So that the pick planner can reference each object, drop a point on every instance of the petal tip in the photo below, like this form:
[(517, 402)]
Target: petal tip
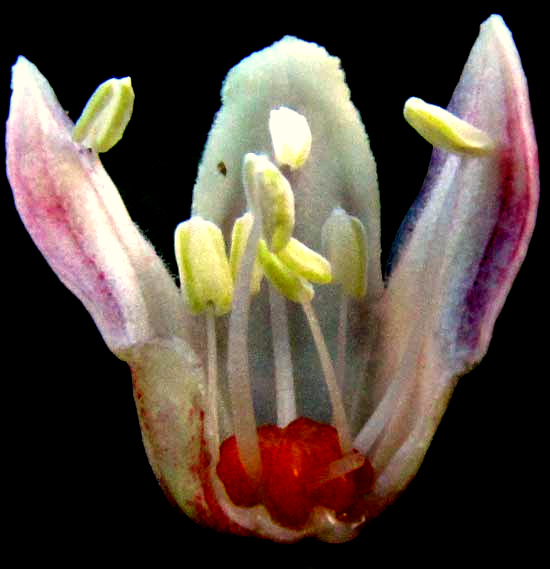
[(23, 72)]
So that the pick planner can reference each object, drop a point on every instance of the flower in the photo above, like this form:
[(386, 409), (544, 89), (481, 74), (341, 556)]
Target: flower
[(377, 358)]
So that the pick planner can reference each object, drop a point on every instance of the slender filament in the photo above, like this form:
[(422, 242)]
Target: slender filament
[(338, 413), (342, 328), (284, 375), (212, 427), (244, 420)]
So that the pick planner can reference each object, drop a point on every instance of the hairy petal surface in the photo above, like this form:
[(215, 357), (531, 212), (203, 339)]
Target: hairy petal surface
[(169, 393), (76, 217), (340, 170), (459, 251)]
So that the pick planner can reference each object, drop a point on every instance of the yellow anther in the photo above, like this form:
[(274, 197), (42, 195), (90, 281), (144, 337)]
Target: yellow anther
[(203, 266), (239, 239), (106, 115), (269, 192), (290, 136), (345, 244), (288, 283), (305, 262), (444, 130)]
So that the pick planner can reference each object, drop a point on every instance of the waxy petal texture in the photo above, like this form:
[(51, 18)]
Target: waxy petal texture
[(76, 217), (459, 251)]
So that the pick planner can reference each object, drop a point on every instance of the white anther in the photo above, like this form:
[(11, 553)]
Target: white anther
[(290, 136)]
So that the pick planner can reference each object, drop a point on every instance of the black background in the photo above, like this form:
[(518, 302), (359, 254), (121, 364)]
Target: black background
[(77, 481)]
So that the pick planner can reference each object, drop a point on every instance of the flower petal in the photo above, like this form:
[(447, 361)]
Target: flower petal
[(459, 252), (340, 170), (169, 394), (76, 217)]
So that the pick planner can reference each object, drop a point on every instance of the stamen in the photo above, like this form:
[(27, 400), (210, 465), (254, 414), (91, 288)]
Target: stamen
[(444, 130), (284, 375), (306, 262), (239, 239), (106, 115), (212, 426), (338, 412), (288, 283), (270, 197), (244, 420), (290, 136), (203, 266), (206, 287), (342, 341), (367, 436), (340, 467), (345, 242), (399, 373)]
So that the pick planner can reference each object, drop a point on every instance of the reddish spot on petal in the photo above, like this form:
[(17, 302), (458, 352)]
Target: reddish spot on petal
[(293, 462)]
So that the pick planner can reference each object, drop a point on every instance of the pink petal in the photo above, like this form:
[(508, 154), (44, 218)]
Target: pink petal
[(459, 252), (76, 217)]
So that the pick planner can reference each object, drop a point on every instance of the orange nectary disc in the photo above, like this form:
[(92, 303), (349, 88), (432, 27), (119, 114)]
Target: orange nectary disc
[(295, 462)]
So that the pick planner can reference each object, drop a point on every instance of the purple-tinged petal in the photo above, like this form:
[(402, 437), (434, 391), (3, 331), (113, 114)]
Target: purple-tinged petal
[(76, 217), (459, 252)]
